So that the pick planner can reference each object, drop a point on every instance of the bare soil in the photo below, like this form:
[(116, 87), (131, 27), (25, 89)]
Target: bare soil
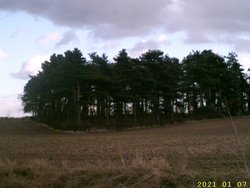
[(181, 155)]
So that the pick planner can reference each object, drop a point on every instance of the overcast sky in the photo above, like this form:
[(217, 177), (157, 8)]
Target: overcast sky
[(33, 30)]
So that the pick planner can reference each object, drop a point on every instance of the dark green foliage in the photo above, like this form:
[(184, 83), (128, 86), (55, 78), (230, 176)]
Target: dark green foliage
[(73, 93)]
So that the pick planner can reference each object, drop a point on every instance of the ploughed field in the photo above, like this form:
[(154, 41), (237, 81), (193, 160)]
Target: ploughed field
[(182, 155)]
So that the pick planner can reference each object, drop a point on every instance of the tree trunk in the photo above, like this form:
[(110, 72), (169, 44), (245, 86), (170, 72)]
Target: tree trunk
[(78, 105)]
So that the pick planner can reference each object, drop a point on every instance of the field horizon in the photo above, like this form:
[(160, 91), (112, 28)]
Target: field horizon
[(180, 155)]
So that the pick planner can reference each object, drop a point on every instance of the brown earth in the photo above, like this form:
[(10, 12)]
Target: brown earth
[(31, 155)]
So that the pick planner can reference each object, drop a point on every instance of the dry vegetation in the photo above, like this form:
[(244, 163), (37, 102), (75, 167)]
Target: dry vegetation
[(178, 156)]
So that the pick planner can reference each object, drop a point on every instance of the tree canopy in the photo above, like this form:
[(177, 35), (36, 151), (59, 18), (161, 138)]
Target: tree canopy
[(71, 92)]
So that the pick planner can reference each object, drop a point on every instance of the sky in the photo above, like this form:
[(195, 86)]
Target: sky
[(31, 31)]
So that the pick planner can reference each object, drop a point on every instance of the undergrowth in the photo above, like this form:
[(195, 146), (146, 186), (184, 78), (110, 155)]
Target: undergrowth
[(42, 173)]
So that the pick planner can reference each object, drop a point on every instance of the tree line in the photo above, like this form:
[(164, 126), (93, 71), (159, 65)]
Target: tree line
[(71, 92)]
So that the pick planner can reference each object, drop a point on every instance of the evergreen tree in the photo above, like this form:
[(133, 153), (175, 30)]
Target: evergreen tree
[(73, 93)]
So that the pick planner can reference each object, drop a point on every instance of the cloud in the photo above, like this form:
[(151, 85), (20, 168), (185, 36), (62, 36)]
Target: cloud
[(58, 38), (202, 21), (30, 67), (145, 45), (67, 37), (244, 60), (3, 55), (238, 43), (242, 45), (142, 47), (106, 19), (11, 106), (50, 38)]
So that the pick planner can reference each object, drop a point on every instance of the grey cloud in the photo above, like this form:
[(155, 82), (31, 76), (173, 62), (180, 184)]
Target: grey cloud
[(196, 37), (212, 18), (30, 67), (202, 21), (23, 73), (111, 18), (239, 43), (67, 37), (148, 44), (143, 46), (242, 45), (20, 75)]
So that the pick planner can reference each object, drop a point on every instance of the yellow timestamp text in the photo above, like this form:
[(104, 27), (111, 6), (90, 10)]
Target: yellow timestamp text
[(223, 184)]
